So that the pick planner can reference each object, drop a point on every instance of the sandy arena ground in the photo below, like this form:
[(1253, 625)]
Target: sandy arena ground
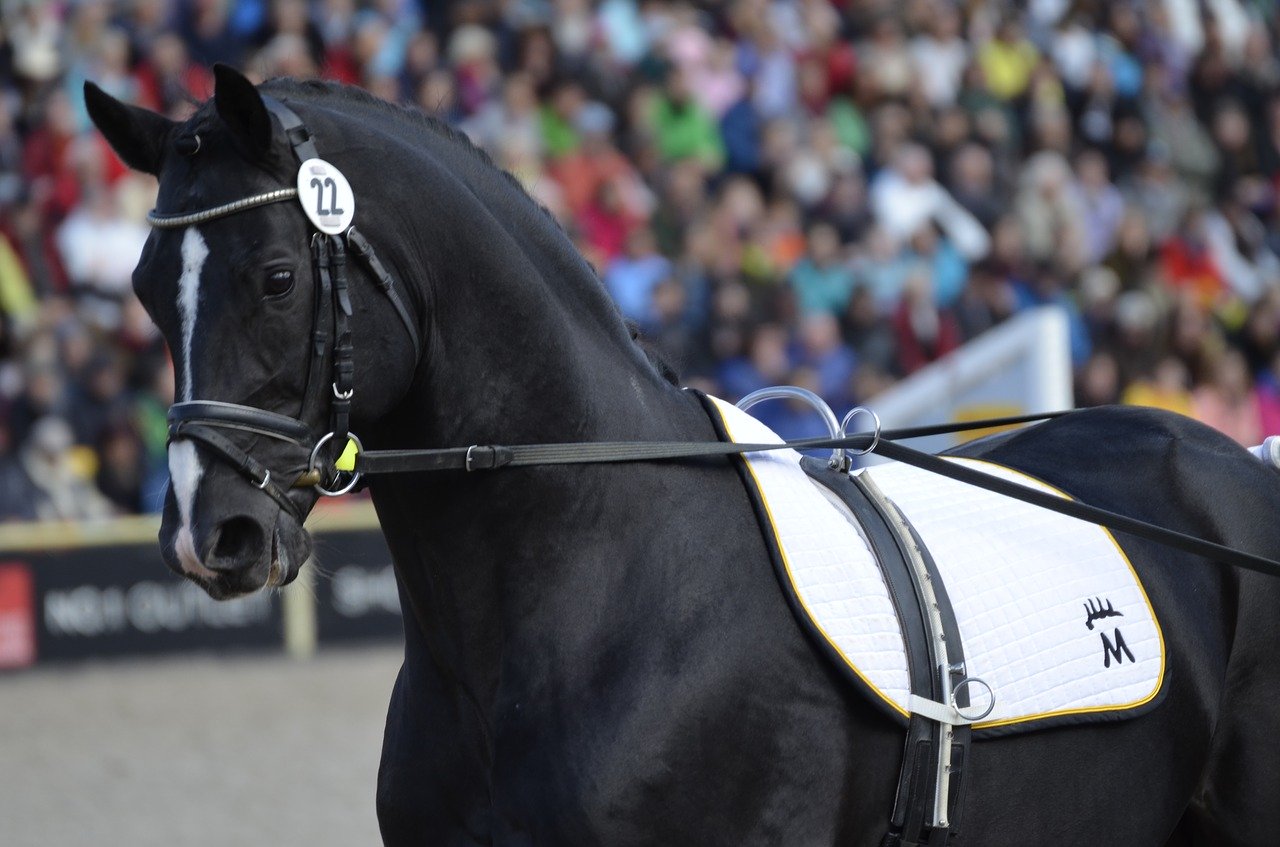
[(200, 751)]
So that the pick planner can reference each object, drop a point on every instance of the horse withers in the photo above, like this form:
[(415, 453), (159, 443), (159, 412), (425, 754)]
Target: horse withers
[(602, 654)]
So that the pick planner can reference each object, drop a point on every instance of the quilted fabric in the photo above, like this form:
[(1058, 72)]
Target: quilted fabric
[(1051, 614)]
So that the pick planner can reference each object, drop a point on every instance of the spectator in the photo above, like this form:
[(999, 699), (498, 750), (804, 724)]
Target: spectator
[(17, 492), (745, 174), (632, 277), (1050, 214), (940, 56), (821, 281), (767, 363), (1008, 60), (924, 332), (831, 361), (683, 128), (99, 249), (1227, 401), (61, 490), (1101, 204), (1187, 263), (973, 184), (1166, 388), (906, 197)]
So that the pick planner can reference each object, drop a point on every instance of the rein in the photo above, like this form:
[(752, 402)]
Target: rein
[(881, 443)]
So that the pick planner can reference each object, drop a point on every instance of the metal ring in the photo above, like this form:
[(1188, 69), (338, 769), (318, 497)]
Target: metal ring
[(969, 680), (468, 458), (355, 475), (266, 480), (342, 395), (875, 435)]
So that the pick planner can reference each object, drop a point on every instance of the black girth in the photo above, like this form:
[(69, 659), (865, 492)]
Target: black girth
[(917, 780), (330, 377)]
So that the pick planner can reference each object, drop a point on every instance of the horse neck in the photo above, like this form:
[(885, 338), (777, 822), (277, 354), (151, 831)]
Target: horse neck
[(523, 342), (524, 347)]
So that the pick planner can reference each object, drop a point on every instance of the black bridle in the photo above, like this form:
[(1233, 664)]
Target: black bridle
[(331, 373), (204, 421)]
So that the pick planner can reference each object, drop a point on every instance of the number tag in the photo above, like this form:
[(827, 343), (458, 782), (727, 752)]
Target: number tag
[(326, 196)]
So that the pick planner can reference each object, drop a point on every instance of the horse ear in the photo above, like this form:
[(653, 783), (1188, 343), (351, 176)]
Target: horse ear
[(137, 135), (241, 108)]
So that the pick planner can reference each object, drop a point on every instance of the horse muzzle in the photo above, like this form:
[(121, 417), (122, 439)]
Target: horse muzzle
[(230, 542)]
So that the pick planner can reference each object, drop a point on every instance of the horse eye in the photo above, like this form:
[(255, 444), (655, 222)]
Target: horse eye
[(278, 282)]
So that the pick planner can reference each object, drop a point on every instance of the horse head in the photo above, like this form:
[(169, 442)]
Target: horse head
[(230, 275)]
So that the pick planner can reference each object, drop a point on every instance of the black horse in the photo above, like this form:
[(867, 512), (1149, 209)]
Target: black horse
[(601, 654)]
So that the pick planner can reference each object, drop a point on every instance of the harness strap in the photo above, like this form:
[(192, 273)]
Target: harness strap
[(318, 374), (361, 247), (343, 366), (244, 418), (246, 465), (915, 775), (926, 811), (488, 457), (300, 138)]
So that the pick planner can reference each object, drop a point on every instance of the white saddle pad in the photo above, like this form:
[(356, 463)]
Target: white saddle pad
[(1051, 613)]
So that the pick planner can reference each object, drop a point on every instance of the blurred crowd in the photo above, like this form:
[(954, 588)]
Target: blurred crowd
[(823, 193)]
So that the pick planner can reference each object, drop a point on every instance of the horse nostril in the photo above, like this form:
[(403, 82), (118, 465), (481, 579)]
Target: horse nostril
[(239, 543)]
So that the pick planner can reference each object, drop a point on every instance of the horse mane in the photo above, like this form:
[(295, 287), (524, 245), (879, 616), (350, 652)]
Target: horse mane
[(360, 97)]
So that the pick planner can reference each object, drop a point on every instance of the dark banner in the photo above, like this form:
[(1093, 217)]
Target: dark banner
[(95, 597), (90, 602), (355, 589)]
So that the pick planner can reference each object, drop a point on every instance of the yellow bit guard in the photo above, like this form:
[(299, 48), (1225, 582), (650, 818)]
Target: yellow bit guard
[(347, 461)]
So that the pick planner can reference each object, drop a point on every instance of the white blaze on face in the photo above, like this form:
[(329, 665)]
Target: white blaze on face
[(184, 465), (194, 252)]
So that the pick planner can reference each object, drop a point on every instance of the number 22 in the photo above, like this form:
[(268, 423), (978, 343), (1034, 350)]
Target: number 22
[(333, 196)]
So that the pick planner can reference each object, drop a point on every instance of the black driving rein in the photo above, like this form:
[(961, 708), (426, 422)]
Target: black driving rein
[(492, 457)]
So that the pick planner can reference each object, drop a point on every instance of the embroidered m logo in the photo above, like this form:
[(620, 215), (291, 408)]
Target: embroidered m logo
[(1118, 649)]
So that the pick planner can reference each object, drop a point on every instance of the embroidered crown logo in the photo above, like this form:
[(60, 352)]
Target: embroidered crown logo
[(1094, 610)]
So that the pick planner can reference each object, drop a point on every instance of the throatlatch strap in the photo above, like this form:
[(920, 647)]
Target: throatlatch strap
[(361, 247)]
